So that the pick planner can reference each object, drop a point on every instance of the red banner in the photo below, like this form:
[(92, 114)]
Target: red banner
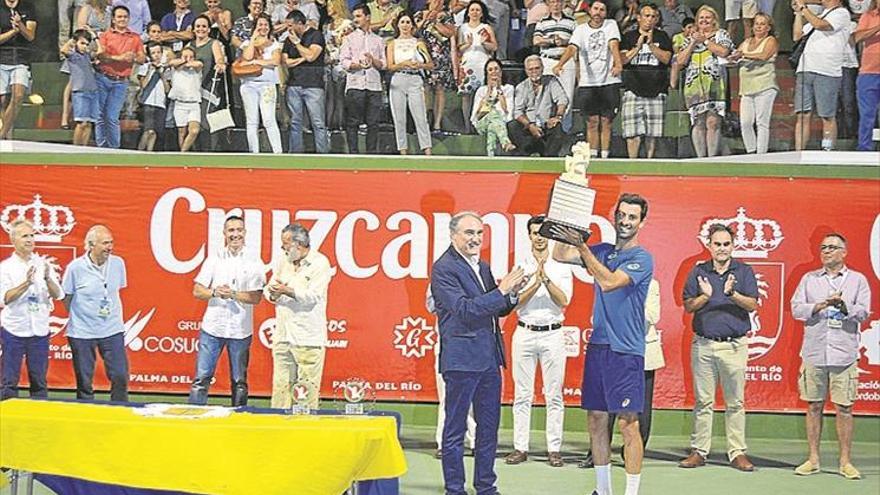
[(382, 230)]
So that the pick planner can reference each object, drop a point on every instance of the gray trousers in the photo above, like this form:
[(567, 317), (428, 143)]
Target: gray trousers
[(408, 90), (500, 12)]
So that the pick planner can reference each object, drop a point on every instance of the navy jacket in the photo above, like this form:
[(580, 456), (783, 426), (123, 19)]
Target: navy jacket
[(470, 336)]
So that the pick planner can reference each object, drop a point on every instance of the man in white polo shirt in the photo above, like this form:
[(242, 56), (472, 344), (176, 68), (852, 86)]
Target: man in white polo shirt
[(538, 339), (92, 283), (232, 283), (28, 284)]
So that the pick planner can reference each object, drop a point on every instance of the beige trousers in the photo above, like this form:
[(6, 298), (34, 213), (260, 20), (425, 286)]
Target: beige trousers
[(293, 364), (725, 363)]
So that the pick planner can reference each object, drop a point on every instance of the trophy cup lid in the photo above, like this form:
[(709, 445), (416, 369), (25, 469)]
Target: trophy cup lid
[(576, 164)]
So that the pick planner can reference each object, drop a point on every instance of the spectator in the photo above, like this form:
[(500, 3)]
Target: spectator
[(868, 82), (735, 10), (139, 14), (536, 10), (121, 49), (407, 58), (303, 55), (243, 27), (382, 16), (94, 17), (598, 43), (221, 21), (280, 13), (210, 53), (501, 12), (362, 56), (259, 94), (627, 17), (757, 83), (436, 26), (68, 10), (177, 25), (820, 69), (494, 109), (678, 42), (847, 108), (704, 86), (335, 30), (645, 52), (154, 34), (672, 17), (539, 104), (154, 83), (552, 35), (476, 44), (186, 92), (80, 58), (18, 29)]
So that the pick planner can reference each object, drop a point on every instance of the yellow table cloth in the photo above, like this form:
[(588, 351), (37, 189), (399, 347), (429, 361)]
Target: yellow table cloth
[(243, 453)]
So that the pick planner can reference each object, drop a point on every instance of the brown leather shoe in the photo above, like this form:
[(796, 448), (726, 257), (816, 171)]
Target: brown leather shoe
[(742, 463), (692, 461), (555, 459), (516, 457)]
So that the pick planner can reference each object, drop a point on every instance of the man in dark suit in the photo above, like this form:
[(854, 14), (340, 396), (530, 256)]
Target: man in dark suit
[(468, 303)]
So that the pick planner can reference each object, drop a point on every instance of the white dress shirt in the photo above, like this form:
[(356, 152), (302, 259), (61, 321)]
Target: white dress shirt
[(301, 320), (540, 309), (27, 316), (227, 318)]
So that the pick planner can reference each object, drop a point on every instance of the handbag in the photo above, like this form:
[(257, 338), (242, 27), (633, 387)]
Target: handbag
[(797, 50), (222, 118), (241, 69)]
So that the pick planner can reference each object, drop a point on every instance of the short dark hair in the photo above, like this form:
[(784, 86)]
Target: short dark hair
[(82, 34), (650, 6), (231, 218), (719, 227), (535, 220), (123, 7), (296, 16), (363, 7), (151, 24), (687, 22), (151, 44), (268, 19), (202, 16), (633, 199), (835, 234)]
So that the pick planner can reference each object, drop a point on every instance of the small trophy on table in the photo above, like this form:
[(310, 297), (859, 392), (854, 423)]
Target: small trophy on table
[(301, 394), (355, 392), (571, 201)]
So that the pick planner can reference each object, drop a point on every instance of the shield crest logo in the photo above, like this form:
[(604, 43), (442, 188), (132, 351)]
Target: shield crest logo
[(766, 321)]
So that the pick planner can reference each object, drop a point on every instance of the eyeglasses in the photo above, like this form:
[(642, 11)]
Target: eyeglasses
[(829, 247)]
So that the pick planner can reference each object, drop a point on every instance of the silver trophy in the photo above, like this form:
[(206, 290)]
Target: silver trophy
[(301, 394), (571, 201), (355, 392)]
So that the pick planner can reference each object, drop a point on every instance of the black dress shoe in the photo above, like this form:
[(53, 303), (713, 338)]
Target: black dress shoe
[(586, 462)]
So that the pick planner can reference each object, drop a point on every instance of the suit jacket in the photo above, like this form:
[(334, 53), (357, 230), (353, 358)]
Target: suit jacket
[(468, 315)]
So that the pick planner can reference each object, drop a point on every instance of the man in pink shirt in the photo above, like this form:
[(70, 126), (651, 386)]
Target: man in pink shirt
[(362, 56), (868, 82)]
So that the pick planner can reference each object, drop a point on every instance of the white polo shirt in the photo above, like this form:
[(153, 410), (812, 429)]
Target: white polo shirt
[(226, 318), (27, 316)]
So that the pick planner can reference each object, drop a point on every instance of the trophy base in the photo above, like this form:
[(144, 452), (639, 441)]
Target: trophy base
[(300, 410), (354, 409), (546, 231)]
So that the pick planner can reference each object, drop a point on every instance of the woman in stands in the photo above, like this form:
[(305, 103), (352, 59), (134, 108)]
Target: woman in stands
[(757, 83), (407, 59), (704, 82), (476, 44), (436, 26), (493, 109), (259, 93)]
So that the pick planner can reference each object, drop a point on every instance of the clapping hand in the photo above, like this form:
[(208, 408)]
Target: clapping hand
[(705, 286), (729, 284), (513, 281)]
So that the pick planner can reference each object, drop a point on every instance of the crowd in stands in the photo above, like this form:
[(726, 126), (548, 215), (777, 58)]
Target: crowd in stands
[(322, 66)]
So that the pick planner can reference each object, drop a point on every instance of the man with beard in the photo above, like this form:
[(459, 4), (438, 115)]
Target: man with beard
[(298, 289), (232, 283), (720, 292), (468, 304), (614, 380), (538, 338), (597, 44)]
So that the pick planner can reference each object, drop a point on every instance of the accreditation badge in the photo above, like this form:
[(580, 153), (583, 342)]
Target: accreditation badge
[(104, 308)]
